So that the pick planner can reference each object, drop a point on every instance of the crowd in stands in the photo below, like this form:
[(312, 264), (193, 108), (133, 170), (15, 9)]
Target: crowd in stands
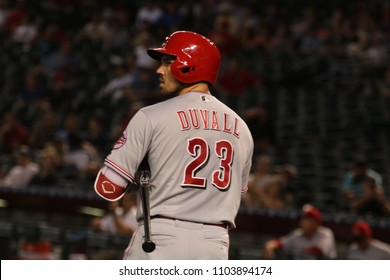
[(75, 72)]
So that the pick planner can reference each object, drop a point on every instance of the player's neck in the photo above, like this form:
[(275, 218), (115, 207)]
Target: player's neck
[(198, 87)]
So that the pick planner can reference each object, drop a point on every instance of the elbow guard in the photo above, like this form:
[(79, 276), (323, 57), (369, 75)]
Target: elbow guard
[(110, 185)]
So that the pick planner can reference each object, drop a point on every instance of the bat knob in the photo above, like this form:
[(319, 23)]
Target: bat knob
[(148, 246)]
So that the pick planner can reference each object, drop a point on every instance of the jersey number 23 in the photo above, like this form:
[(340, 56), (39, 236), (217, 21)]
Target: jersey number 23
[(200, 151)]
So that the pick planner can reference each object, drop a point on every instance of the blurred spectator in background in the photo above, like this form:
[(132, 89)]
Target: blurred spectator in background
[(16, 14), (280, 42), (304, 22), (114, 91), (23, 171), (70, 126), (121, 217), (145, 85), (309, 241), (58, 94), (258, 180), (33, 90), (263, 171), (248, 23), (373, 201), (270, 187), (80, 159), (255, 38), (145, 79), (273, 196), (95, 30), (44, 128), (48, 161), (96, 135), (26, 31), (148, 13), (364, 246), (118, 36), (171, 18), (311, 41), (287, 174), (141, 42), (262, 127), (353, 185), (4, 12), (234, 83), (227, 12), (13, 133), (49, 38), (377, 51), (223, 32), (62, 60)]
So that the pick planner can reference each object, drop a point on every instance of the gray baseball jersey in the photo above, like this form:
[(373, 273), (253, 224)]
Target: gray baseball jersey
[(377, 251), (297, 244), (199, 152)]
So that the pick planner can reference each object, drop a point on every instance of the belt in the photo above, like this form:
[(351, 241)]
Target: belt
[(225, 226)]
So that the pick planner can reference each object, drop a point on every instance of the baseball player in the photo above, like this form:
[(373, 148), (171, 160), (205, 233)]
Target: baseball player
[(199, 152), (365, 247), (309, 241)]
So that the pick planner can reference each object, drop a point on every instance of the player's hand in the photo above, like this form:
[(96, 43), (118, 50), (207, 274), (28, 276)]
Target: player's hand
[(95, 223), (113, 205), (269, 250)]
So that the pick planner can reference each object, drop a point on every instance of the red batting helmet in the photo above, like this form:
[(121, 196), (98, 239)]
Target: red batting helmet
[(361, 229), (312, 212), (197, 58)]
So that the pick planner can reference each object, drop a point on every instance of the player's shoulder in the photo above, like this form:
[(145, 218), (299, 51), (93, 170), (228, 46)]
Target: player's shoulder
[(380, 245), (296, 233), (325, 230)]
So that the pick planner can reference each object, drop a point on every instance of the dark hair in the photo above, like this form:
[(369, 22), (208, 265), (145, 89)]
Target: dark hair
[(74, 141), (360, 162)]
